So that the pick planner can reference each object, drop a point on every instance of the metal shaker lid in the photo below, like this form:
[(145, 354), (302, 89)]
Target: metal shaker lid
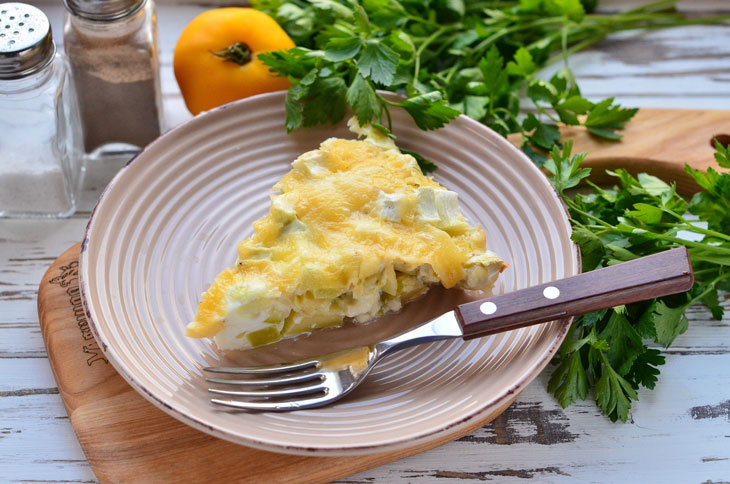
[(26, 43), (103, 10)]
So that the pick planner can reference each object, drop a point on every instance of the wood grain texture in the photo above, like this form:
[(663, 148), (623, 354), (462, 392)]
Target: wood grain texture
[(127, 439), (649, 277)]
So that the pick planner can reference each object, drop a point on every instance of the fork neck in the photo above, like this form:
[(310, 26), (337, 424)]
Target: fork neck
[(443, 327)]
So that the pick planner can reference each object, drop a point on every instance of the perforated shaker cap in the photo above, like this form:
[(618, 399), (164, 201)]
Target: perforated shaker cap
[(26, 43), (103, 10)]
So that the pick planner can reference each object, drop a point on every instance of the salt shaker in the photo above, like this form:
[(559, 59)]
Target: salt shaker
[(112, 49), (40, 145)]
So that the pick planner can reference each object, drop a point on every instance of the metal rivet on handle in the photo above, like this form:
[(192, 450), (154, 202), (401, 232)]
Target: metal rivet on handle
[(551, 292), (488, 307)]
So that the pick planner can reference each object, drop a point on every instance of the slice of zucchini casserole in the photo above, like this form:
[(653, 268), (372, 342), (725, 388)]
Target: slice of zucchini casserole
[(354, 231)]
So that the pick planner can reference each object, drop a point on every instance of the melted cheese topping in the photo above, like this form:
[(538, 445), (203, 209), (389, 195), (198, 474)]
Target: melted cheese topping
[(355, 230)]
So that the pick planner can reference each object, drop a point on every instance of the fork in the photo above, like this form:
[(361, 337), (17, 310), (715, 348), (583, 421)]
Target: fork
[(318, 381)]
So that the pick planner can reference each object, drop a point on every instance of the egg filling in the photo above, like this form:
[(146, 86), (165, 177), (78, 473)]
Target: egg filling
[(355, 230)]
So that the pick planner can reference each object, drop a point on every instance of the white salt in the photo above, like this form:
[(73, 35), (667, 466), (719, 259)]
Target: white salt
[(34, 189)]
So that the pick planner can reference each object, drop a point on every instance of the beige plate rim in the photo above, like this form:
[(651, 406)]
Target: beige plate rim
[(482, 414)]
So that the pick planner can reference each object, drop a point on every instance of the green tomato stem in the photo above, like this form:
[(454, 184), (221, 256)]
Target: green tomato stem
[(239, 53)]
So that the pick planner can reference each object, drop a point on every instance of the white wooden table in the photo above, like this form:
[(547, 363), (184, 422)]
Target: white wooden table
[(678, 433)]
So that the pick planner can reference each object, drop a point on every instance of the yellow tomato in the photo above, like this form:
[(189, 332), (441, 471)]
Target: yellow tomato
[(216, 57)]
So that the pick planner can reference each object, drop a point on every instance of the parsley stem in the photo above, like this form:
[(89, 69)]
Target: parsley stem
[(660, 4), (389, 102), (575, 48), (566, 53), (640, 22), (543, 111), (710, 287), (653, 235), (453, 71), (564, 45), (511, 116), (481, 5), (709, 270), (688, 243), (417, 19), (484, 44), (390, 121), (575, 208), (423, 46), (689, 227)]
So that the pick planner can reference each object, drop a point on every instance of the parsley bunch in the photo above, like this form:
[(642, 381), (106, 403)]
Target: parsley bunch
[(615, 351), (447, 57)]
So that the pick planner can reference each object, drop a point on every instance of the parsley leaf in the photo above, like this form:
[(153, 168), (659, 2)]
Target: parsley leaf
[(429, 111), (624, 343), (336, 7), (361, 96), (592, 250), (712, 301), (476, 106), (378, 62), (426, 165), (293, 62), (522, 65), (494, 76), (543, 135), (342, 48), (566, 170), (645, 325), (614, 394), (572, 9), (722, 154), (645, 369), (669, 323), (294, 110), (325, 101), (569, 382), (576, 104), (605, 118)]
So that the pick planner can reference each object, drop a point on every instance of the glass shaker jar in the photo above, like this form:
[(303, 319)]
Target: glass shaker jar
[(112, 48), (40, 145)]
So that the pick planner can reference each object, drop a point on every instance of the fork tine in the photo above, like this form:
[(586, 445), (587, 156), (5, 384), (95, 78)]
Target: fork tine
[(287, 392), (253, 370), (268, 381), (276, 406)]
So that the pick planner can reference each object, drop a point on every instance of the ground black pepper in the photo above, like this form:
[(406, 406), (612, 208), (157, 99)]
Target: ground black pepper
[(115, 67)]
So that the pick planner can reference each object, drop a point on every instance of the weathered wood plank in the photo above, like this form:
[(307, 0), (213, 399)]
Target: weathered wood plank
[(37, 443), (679, 433), (701, 6), (672, 437), (684, 420)]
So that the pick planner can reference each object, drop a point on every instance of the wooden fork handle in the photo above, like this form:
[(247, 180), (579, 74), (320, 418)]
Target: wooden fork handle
[(657, 275)]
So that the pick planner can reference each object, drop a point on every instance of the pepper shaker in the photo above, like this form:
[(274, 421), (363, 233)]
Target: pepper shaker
[(112, 49), (40, 145)]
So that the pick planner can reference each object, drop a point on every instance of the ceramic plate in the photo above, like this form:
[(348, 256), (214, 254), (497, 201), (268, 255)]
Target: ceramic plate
[(170, 221)]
